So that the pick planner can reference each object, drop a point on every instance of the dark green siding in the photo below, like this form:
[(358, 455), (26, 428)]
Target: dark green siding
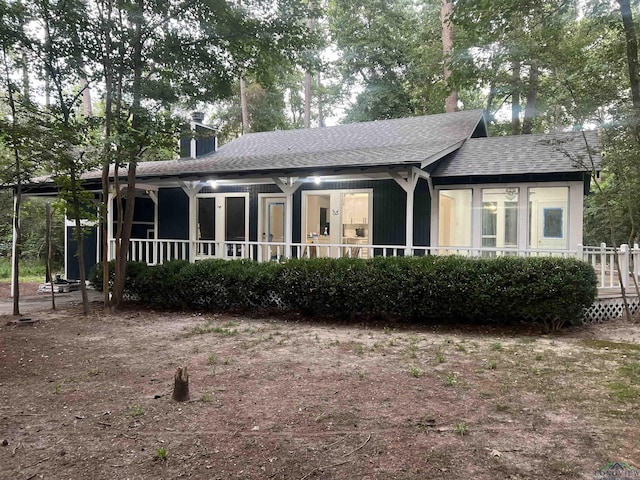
[(422, 214), (89, 250), (173, 214)]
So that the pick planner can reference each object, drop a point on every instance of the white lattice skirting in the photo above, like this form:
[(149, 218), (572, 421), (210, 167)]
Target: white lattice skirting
[(609, 309)]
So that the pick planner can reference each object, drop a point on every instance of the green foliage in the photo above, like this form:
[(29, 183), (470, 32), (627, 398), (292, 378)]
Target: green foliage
[(28, 269), (461, 428), (161, 454), (135, 272), (392, 49), (431, 288)]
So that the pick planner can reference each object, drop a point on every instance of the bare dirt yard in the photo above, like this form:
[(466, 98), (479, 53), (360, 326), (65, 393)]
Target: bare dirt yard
[(90, 398)]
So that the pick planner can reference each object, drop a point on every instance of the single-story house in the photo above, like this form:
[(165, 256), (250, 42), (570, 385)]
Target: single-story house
[(411, 186)]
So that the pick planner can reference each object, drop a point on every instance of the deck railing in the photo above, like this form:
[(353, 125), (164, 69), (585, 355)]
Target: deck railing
[(158, 251)]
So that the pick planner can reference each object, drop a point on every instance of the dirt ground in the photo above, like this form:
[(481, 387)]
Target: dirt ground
[(281, 398)]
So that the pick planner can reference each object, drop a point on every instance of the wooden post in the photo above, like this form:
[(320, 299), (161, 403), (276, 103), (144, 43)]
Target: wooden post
[(49, 273), (181, 385)]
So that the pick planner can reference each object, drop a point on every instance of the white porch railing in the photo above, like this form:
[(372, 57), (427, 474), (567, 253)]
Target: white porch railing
[(158, 251), (154, 252)]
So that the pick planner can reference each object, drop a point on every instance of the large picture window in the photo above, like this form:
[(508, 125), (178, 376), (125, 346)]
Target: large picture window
[(454, 220), (337, 217)]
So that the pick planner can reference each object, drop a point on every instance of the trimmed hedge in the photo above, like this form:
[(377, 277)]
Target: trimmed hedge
[(554, 291)]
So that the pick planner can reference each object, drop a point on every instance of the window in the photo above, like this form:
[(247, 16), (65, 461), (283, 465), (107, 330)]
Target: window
[(337, 217), (454, 220), (548, 210), (500, 217)]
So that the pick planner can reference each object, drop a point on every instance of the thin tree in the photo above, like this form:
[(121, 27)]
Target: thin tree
[(451, 102)]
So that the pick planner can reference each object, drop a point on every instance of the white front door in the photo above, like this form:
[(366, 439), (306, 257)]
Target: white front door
[(272, 213)]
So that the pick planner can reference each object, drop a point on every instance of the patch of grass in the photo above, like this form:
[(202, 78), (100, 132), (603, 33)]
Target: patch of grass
[(461, 347), (416, 372), (212, 360), (627, 389), (136, 411), (451, 379), (161, 454), (206, 397), (93, 372), (31, 271), (440, 356), (496, 346), (208, 328), (461, 429), (57, 388), (361, 374), (526, 340), (502, 407), (358, 348), (539, 357), (492, 365), (607, 345)]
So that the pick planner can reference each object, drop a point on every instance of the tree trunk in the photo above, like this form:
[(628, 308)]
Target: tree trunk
[(16, 243), (515, 98), (86, 98), (17, 189), (320, 101), (79, 237), (451, 102), (122, 245), (181, 385), (632, 61), (307, 100), (244, 108), (49, 275), (307, 80), (532, 97), (106, 160)]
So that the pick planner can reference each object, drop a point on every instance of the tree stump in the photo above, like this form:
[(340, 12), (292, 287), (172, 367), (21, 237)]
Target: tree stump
[(181, 385)]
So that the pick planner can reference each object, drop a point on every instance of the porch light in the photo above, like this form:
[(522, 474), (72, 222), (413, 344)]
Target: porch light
[(213, 183), (317, 180), (511, 193)]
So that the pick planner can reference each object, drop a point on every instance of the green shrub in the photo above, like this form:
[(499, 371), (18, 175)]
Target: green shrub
[(134, 274), (554, 291)]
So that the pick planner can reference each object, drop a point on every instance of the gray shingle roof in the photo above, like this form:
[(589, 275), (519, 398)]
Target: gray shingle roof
[(521, 154), (384, 142)]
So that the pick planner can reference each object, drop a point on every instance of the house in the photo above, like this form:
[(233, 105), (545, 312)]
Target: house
[(411, 186)]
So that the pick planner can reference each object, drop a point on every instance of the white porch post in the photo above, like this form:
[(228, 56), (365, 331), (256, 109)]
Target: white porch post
[(288, 187), (192, 189), (109, 206), (623, 257), (408, 184)]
